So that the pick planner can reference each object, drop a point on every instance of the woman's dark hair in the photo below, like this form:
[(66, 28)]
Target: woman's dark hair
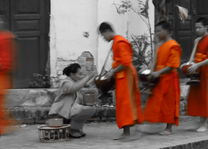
[(105, 27), (165, 25), (72, 68)]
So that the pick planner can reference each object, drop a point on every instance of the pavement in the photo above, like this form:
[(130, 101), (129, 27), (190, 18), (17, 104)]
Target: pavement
[(100, 135)]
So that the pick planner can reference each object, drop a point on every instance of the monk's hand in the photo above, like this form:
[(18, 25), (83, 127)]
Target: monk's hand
[(193, 68), (155, 74), (109, 74), (183, 65)]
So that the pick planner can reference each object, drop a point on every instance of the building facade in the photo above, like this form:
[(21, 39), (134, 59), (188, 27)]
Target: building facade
[(54, 33)]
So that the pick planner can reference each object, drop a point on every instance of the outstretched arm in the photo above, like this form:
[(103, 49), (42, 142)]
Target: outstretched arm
[(73, 87)]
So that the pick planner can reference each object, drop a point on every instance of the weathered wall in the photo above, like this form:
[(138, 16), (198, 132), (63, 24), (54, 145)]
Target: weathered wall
[(107, 12), (135, 23), (73, 30)]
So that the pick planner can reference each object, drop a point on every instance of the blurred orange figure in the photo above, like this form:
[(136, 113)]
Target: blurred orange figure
[(6, 64)]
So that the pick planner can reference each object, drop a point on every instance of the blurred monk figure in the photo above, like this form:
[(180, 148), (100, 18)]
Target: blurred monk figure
[(198, 94), (163, 104), (7, 48), (128, 106)]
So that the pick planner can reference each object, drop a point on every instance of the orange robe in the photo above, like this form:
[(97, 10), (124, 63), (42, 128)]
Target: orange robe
[(6, 61), (198, 94), (163, 104), (128, 106)]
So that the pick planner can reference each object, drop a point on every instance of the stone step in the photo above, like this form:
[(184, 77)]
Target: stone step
[(38, 115), (192, 144), (32, 105)]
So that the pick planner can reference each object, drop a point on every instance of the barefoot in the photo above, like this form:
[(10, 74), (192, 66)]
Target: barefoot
[(166, 132), (119, 137), (202, 129), (127, 138)]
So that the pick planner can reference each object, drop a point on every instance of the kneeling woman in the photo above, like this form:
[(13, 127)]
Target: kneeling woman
[(69, 102)]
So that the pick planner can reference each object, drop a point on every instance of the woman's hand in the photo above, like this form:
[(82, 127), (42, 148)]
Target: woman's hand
[(90, 80), (92, 75)]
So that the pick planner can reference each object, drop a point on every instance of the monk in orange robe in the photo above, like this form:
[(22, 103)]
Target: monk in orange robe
[(128, 106), (198, 94), (163, 104), (6, 62)]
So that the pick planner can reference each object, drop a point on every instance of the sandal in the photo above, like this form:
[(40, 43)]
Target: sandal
[(83, 134), (76, 133)]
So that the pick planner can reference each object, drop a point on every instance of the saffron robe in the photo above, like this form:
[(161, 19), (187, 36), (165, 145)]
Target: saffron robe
[(198, 94), (163, 104), (6, 62), (128, 105)]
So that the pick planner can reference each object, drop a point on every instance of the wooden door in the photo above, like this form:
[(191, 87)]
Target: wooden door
[(184, 33), (5, 11), (29, 21)]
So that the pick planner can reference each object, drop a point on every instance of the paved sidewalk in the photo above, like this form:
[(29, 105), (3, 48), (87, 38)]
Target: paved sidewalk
[(100, 136)]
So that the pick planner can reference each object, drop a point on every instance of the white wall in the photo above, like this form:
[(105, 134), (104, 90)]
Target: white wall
[(71, 18), (107, 12), (136, 25), (124, 24)]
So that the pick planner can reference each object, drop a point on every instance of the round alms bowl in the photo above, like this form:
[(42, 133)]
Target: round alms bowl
[(144, 75), (104, 84), (185, 67)]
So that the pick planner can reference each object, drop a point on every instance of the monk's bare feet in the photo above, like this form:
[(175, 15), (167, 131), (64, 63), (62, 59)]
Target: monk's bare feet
[(202, 129), (119, 137), (204, 125), (127, 138), (166, 132), (126, 132)]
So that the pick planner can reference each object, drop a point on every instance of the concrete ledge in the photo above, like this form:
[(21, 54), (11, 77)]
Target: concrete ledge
[(191, 144), (38, 115), (32, 97), (31, 106)]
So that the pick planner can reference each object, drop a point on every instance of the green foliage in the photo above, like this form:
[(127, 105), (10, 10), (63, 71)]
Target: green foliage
[(143, 55)]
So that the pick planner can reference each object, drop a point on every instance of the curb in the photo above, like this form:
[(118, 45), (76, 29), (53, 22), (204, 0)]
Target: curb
[(203, 144), (38, 115)]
